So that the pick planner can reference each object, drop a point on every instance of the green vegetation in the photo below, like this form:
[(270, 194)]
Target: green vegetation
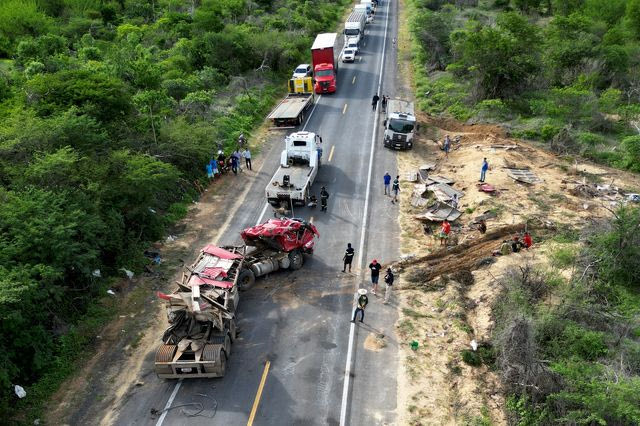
[(109, 111), (561, 72), (569, 352)]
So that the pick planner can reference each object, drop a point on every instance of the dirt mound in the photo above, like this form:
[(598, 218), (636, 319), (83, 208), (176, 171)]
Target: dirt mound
[(452, 125)]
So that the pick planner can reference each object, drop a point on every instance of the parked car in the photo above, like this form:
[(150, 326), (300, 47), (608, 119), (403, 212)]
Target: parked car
[(352, 43), (302, 70), (348, 55)]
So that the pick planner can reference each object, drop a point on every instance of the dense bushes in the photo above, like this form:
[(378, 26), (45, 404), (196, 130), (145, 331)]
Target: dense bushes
[(569, 352), (108, 112), (553, 65)]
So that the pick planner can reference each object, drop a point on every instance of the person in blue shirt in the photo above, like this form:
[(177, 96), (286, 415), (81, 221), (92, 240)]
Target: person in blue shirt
[(209, 171), (387, 183), (483, 171)]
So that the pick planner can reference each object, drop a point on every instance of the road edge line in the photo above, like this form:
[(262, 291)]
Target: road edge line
[(347, 371), (165, 410)]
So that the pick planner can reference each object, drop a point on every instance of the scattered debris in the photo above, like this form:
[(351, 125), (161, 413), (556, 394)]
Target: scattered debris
[(443, 192), (128, 273), (489, 214), (96, 273), (20, 392), (171, 238), (505, 147), (439, 212), (635, 198), (474, 345), (523, 175), (486, 187), (418, 198), (111, 292), (411, 177), (438, 179)]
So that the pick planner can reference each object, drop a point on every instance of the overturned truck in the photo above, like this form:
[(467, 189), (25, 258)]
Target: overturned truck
[(202, 310)]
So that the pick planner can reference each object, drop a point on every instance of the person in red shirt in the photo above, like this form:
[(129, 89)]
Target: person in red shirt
[(528, 242), (444, 232)]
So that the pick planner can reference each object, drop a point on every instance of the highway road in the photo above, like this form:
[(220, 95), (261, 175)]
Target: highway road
[(296, 345)]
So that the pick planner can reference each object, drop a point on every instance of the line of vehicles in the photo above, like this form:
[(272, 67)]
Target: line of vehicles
[(202, 309)]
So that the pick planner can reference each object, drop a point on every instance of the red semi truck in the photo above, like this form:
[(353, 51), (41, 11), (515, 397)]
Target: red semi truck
[(324, 56)]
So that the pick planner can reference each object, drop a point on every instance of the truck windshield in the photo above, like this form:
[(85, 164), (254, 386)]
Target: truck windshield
[(400, 126), (351, 32), (324, 73), (299, 143)]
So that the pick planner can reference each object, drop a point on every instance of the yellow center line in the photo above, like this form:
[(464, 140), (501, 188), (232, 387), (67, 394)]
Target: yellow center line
[(333, 147), (354, 79), (256, 402), (344, 109)]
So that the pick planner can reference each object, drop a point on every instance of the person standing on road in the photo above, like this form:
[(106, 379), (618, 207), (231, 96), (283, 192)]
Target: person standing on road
[(374, 101), (384, 103), (388, 280), (396, 189), (324, 196), (363, 301), (238, 156), (375, 274), (445, 229), (247, 158), (387, 183), (348, 258), (483, 171)]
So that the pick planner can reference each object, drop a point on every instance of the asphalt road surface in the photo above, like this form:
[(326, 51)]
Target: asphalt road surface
[(298, 323)]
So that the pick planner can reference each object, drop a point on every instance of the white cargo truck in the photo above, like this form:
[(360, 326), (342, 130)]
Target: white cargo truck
[(299, 163), (354, 25), (399, 124)]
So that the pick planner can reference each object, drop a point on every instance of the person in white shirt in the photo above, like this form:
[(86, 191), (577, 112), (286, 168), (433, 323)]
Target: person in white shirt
[(247, 158)]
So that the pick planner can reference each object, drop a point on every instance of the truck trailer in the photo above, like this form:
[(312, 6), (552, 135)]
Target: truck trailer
[(291, 110), (202, 310), (324, 57)]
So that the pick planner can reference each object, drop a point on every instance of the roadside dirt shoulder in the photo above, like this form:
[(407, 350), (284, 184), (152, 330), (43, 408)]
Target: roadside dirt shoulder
[(94, 393)]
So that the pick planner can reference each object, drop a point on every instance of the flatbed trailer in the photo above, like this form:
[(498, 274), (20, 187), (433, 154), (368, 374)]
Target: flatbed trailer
[(291, 111)]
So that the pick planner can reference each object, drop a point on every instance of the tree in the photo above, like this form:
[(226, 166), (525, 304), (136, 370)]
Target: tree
[(502, 59), (152, 103)]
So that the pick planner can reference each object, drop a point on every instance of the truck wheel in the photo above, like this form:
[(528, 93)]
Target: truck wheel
[(233, 330), (227, 345), (246, 279), (222, 365), (296, 260)]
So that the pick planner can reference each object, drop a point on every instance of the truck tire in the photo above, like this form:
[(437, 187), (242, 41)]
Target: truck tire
[(233, 330), (222, 365), (296, 259), (246, 279), (227, 345)]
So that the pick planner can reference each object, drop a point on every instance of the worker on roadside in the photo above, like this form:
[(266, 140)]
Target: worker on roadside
[(483, 170), (396, 189), (516, 244), (234, 164), (482, 227), (375, 274), (527, 240), (246, 154), (387, 183), (388, 280), (445, 229), (446, 146), (348, 258), (209, 171), (242, 140), (238, 156), (363, 301), (384, 103), (374, 101), (324, 196)]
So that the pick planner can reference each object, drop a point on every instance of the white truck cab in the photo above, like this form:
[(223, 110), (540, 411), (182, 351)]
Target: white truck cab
[(299, 163), (400, 124)]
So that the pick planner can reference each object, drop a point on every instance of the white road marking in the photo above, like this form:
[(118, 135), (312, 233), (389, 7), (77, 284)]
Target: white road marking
[(347, 369), (344, 109), (169, 402), (354, 80), (222, 229)]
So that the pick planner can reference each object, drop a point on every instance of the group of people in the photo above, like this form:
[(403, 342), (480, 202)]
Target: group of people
[(515, 245), (234, 163), (375, 268), (388, 187), (376, 99)]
